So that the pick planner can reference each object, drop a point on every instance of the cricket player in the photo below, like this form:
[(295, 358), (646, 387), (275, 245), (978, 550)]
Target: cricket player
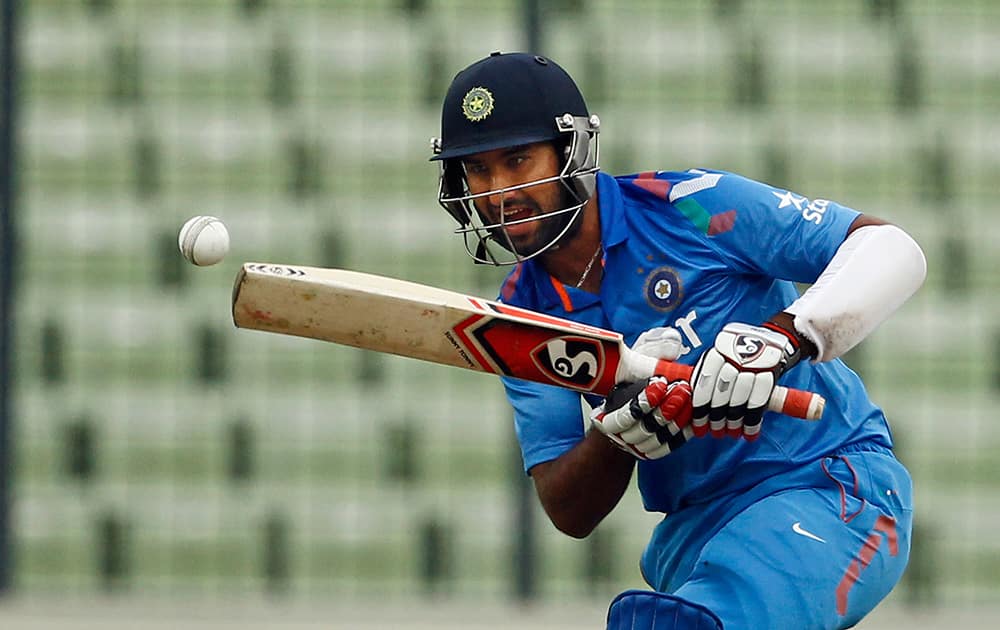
[(770, 522)]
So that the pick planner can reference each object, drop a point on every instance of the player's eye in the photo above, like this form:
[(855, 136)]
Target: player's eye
[(517, 160)]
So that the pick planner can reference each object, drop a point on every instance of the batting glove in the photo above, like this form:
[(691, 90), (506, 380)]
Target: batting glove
[(660, 343), (647, 419), (733, 380)]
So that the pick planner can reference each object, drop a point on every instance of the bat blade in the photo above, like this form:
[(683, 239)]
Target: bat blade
[(422, 322), (431, 324)]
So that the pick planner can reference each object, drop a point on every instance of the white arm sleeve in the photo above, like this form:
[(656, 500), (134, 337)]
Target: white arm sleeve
[(875, 270)]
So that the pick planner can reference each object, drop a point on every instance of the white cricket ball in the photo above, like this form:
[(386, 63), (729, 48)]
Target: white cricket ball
[(203, 240)]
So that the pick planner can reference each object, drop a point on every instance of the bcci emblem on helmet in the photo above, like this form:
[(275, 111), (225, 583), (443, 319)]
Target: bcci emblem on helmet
[(477, 104)]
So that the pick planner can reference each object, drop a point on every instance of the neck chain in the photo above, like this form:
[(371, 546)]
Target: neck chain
[(586, 270)]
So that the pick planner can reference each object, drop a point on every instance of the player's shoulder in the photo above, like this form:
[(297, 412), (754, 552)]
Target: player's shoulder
[(672, 186), (669, 176), (518, 288), (677, 176)]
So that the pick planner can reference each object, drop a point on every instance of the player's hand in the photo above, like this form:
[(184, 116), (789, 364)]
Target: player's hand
[(733, 380), (647, 419)]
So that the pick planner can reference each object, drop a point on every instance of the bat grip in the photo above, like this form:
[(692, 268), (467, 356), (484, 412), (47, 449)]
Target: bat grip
[(791, 402)]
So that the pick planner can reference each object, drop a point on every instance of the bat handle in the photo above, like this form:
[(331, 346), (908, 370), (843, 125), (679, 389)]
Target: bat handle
[(786, 400)]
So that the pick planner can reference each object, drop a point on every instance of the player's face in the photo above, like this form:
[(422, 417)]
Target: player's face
[(504, 168)]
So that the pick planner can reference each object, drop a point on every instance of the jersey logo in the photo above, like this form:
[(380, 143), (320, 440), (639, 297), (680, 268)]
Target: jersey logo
[(574, 361), (811, 211), (789, 199), (663, 289), (477, 104), (801, 531)]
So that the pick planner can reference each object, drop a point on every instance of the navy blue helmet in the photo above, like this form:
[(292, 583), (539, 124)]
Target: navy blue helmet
[(509, 100)]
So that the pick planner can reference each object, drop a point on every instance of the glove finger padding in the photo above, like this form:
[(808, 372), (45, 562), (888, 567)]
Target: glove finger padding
[(733, 380), (647, 418), (676, 409), (722, 399), (621, 400), (738, 403), (638, 436), (703, 382)]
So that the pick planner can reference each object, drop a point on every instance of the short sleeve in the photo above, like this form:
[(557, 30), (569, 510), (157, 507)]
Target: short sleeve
[(776, 232), (549, 420)]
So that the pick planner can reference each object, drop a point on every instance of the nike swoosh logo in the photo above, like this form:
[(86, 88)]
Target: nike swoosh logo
[(797, 528)]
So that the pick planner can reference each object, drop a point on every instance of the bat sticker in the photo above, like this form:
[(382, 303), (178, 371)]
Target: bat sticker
[(571, 361), (276, 270)]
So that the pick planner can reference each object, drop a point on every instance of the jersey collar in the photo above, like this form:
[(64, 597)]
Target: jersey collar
[(612, 208), (553, 295)]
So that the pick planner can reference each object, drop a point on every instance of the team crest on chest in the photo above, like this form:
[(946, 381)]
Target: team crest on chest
[(477, 104), (663, 289)]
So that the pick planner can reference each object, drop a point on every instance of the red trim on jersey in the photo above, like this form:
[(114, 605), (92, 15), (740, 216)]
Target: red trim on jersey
[(647, 181), (722, 222), (510, 284), (567, 303), (844, 516)]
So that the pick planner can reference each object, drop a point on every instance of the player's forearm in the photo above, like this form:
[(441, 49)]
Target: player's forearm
[(807, 349), (875, 270), (582, 486)]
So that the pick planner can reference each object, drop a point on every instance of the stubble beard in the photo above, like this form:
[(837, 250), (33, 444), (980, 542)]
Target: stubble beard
[(548, 230)]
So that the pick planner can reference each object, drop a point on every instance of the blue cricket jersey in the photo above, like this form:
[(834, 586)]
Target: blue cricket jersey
[(696, 250)]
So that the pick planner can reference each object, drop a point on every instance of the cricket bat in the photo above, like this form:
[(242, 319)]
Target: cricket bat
[(422, 322)]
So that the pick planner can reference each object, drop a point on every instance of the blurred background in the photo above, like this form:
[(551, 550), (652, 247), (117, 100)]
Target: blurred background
[(159, 468)]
